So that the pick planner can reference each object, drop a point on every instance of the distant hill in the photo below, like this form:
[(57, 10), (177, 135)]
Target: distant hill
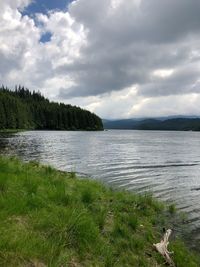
[(175, 124), (179, 124), (22, 109), (120, 124)]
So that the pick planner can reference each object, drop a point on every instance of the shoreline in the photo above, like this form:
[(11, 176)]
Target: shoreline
[(10, 131), (52, 217)]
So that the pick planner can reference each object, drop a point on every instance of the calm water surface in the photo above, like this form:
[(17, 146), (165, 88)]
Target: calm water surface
[(165, 163)]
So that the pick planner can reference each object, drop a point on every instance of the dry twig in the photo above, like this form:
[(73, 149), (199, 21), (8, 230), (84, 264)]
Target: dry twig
[(162, 248)]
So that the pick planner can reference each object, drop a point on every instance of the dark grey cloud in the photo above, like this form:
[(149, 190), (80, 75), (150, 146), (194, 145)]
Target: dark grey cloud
[(125, 45), (181, 82), (106, 72), (168, 21)]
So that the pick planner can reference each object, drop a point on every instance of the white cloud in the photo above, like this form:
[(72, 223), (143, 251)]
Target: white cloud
[(163, 73), (25, 59), (14, 4)]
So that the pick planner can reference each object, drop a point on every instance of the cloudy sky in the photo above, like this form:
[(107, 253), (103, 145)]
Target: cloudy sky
[(117, 58)]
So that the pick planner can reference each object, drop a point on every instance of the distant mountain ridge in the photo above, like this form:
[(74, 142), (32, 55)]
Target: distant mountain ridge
[(175, 123)]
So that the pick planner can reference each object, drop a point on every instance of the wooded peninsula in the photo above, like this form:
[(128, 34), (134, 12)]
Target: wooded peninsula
[(23, 109)]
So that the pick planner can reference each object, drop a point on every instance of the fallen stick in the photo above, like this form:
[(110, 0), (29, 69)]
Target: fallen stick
[(162, 248)]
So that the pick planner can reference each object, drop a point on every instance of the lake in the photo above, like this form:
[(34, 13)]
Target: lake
[(162, 162)]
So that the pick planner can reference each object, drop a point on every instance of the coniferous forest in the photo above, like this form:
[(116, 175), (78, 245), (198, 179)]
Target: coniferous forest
[(23, 109)]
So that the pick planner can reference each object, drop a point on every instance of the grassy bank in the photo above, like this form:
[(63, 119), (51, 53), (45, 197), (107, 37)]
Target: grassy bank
[(12, 131), (50, 218)]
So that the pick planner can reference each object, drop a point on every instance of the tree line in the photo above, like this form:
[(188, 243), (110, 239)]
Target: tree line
[(23, 109)]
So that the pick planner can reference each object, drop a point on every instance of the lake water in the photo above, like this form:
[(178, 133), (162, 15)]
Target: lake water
[(165, 163)]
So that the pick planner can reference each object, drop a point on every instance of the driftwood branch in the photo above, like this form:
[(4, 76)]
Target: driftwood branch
[(162, 248)]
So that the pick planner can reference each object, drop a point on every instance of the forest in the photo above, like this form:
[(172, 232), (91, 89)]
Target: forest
[(23, 109)]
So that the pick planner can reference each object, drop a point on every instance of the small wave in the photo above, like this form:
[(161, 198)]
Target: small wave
[(165, 166), (195, 189)]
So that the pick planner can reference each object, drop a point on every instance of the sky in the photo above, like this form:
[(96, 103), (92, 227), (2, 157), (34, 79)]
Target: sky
[(117, 58)]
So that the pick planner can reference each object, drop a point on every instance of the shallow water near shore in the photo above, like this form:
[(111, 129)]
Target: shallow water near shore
[(165, 163)]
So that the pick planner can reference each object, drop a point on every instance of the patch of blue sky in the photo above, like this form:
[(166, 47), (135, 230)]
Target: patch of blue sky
[(46, 37), (44, 6)]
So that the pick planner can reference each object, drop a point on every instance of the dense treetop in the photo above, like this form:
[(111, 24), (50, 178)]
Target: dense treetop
[(23, 109)]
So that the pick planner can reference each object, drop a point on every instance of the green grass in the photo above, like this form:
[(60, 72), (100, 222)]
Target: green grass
[(12, 130), (51, 218), (172, 209)]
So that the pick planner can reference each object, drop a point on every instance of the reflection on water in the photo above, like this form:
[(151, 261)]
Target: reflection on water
[(166, 163)]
